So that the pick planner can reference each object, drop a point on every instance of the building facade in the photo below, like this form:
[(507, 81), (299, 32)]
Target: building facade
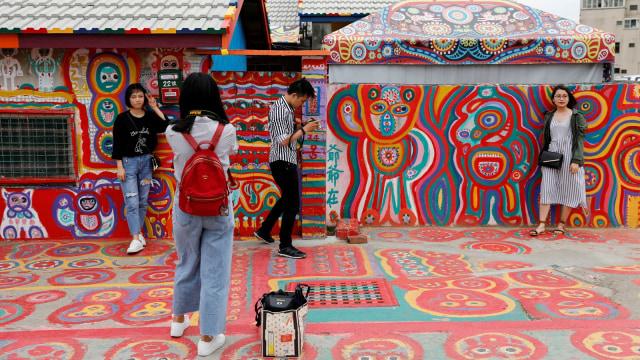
[(621, 18)]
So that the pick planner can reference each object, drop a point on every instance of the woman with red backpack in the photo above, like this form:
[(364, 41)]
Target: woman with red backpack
[(204, 243)]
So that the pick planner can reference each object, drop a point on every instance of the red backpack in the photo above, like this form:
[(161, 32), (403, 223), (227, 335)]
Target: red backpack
[(203, 185)]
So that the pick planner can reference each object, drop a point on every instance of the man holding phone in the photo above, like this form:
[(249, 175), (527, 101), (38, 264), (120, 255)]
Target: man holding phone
[(283, 161)]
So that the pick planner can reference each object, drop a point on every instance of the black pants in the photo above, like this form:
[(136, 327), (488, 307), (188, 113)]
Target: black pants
[(285, 175)]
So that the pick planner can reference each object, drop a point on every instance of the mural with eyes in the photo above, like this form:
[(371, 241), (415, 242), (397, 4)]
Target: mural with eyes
[(379, 123), (88, 213), (19, 216), (166, 59), (490, 154)]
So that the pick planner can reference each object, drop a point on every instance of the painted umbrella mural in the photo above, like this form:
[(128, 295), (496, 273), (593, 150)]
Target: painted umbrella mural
[(467, 32)]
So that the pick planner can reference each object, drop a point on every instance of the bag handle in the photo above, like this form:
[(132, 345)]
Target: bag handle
[(259, 309)]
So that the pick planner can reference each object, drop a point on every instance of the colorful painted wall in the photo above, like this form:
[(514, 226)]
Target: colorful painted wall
[(91, 84), (466, 155), (247, 97)]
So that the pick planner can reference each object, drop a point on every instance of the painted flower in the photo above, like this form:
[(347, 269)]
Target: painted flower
[(549, 50), (387, 50)]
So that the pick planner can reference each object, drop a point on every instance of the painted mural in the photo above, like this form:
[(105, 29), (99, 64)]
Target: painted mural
[(247, 97), (90, 83), (466, 155), (467, 32)]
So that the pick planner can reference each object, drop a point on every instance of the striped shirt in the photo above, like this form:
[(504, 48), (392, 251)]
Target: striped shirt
[(281, 124)]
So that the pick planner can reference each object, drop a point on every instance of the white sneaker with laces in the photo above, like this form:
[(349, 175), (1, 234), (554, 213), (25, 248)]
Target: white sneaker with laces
[(141, 238), (207, 348), (177, 329), (135, 246)]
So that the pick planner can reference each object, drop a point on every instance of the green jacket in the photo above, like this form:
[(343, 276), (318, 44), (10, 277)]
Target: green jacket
[(578, 129)]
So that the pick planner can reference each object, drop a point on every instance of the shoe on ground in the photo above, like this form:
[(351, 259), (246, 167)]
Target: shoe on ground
[(135, 246), (177, 329), (291, 252), (207, 348), (263, 236), (141, 238)]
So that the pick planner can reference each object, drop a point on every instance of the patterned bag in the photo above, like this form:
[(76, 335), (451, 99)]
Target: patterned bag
[(283, 316)]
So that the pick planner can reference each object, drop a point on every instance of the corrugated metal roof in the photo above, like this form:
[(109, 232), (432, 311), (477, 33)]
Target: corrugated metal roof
[(283, 12), (106, 16), (341, 8)]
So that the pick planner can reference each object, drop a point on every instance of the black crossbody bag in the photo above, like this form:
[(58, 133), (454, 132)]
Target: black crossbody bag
[(550, 159)]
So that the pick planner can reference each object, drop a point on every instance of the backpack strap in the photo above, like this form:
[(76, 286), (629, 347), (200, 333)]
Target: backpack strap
[(217, 134), (214, 140), (191, 140)]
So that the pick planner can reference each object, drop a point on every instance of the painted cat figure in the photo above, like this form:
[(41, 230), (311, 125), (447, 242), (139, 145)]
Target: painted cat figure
[(19, 216)]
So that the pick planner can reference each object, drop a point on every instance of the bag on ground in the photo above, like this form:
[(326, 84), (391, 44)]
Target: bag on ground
[(203, 185), (283, 316)]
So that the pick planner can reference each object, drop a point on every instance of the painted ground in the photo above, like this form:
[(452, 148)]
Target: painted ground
[(410, 293)]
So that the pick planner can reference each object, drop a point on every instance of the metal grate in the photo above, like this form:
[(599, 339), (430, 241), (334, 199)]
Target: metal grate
[(36, 148), (348, 293)]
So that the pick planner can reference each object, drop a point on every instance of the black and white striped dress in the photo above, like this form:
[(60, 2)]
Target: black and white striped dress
[(560, 186)]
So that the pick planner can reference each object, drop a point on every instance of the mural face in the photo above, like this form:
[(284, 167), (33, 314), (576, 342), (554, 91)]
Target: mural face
[(466, 155), (19, 216)]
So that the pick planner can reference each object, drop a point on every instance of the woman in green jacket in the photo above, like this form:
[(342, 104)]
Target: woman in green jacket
[(564, 131)]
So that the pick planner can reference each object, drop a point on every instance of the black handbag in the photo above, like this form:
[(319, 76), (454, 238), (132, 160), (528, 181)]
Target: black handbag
[(155, 162), (550, 159), (281, 300)]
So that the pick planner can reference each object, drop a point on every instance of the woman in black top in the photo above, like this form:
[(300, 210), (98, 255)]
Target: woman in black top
[(134, 139)]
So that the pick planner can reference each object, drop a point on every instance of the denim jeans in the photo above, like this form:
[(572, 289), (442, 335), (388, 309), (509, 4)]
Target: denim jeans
[(203, 272), (136, 193), (285, 175)]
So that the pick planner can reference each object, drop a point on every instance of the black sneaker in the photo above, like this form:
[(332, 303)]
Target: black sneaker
[(264, 237), (292, 252)]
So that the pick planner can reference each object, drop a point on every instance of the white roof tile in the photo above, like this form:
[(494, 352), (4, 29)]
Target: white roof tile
[(107, 15), (283, 13), (350, 7)]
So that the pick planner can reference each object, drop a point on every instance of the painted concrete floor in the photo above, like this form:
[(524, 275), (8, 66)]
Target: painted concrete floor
[(409, 293)]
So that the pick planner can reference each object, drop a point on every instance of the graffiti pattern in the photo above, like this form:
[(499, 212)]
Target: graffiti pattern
[(460, 32), (466, 155)]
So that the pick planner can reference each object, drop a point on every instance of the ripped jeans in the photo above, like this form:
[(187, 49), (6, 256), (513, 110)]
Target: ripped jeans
[(135, 189)]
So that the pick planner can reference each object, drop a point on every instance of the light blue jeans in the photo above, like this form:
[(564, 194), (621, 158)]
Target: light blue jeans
[(203, 272), (136, 193)]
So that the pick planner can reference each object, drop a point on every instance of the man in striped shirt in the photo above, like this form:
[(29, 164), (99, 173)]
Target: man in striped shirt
[(283, 161)]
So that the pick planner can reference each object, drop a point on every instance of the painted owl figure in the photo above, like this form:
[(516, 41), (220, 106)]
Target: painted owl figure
[(19, 216)]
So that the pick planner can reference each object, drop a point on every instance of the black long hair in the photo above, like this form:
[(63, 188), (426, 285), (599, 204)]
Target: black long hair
[(199, 92), (572, 100)]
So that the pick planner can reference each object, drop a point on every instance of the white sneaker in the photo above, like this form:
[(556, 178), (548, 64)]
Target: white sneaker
[(135, 246), (177, 329), (141, 238), (207, 348)]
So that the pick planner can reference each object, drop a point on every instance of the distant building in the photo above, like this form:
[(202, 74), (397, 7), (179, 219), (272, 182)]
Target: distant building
[(622, 18)]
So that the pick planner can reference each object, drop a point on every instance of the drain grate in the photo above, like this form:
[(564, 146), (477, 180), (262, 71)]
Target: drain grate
[(348, 293)]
